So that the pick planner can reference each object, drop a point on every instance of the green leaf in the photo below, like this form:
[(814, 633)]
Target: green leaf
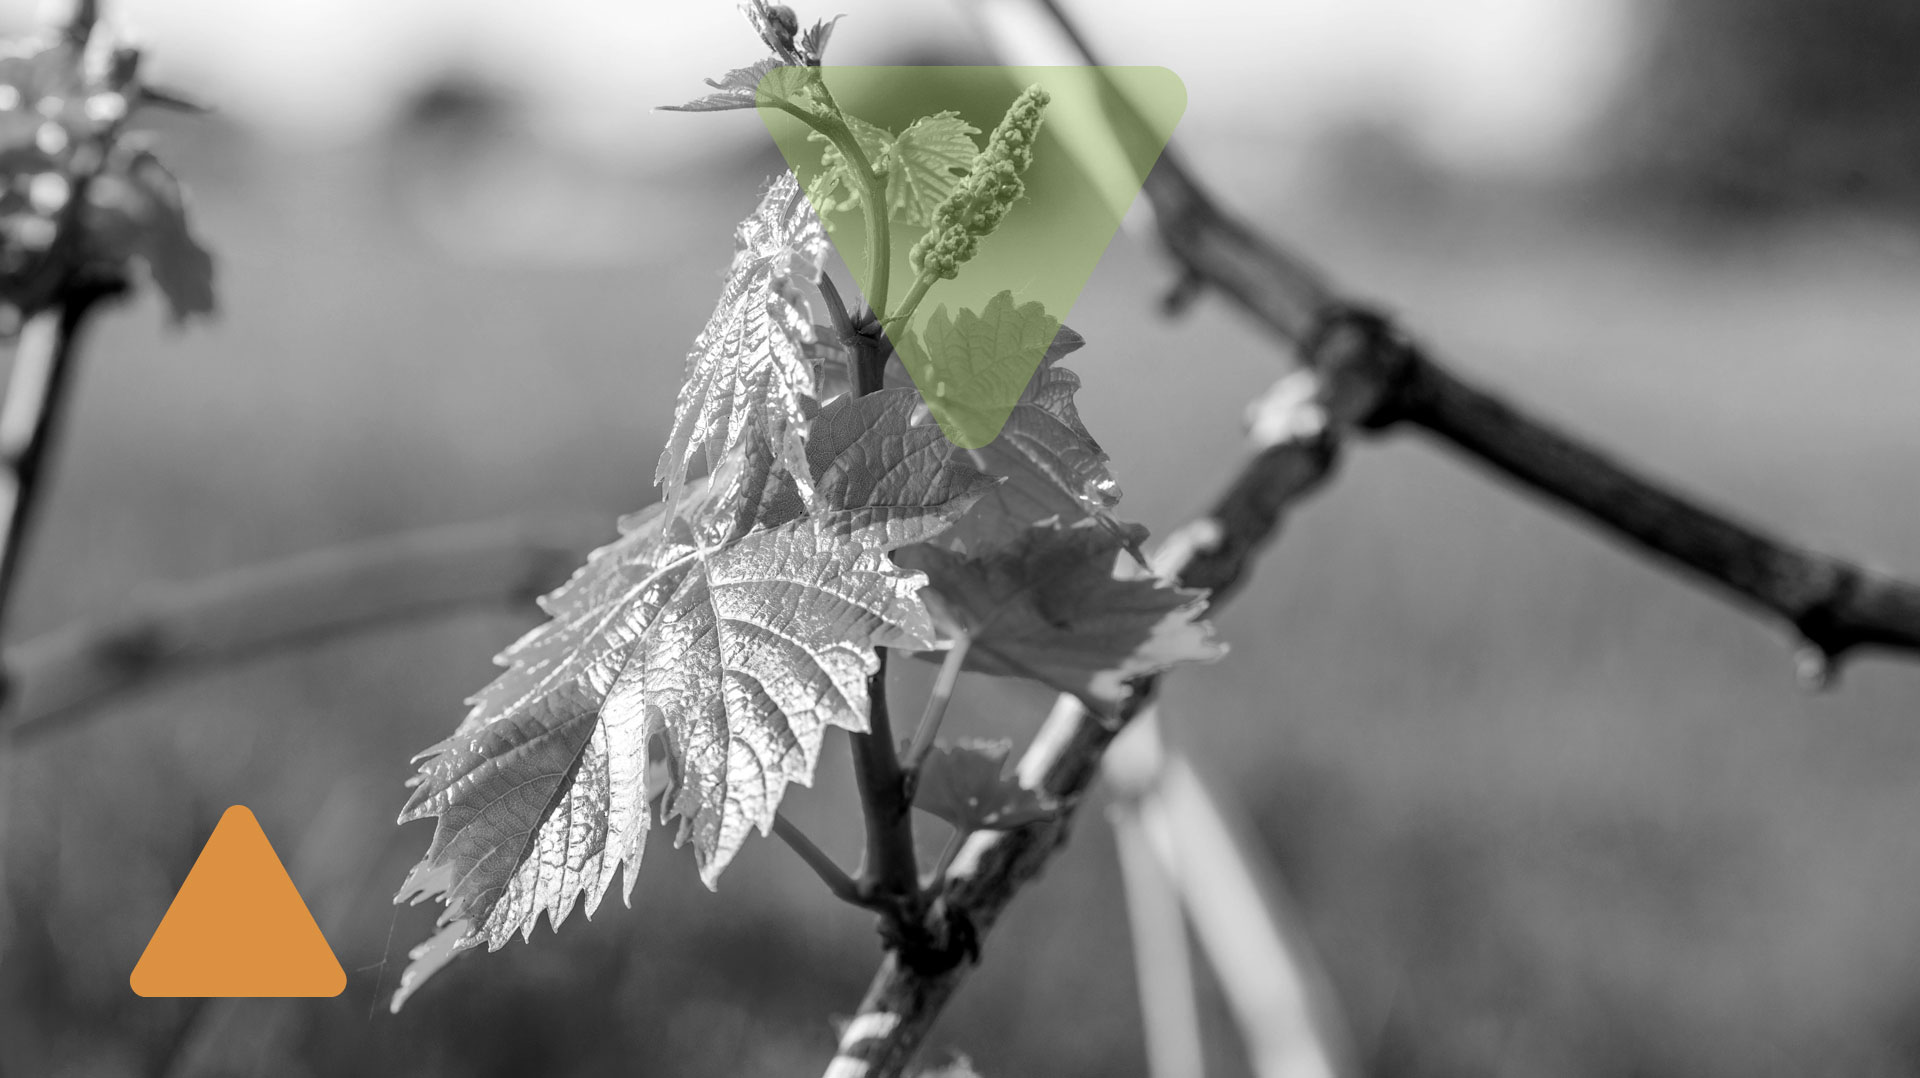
[(967, 785), (923, 165), (737, 89), (975, 366), (1055, 471), (813, 41), (732, 632), (751, 371), (1068, 607), (926, 163)]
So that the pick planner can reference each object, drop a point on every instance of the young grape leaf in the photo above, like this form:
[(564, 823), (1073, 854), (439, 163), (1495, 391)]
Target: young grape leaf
[(737, 89), (740, 88), (735, 631), (813, 41), (751, 371), (967, 785), (777, 26), (923, 165), (1055, 470), (1068, 607), (974, 367)]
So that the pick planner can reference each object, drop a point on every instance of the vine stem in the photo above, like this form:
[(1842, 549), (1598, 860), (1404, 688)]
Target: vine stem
[(937, 701), (912, 301), (873, 188), (823, 866), (947, 853), (890, 880), (168, 630), (892, 873)]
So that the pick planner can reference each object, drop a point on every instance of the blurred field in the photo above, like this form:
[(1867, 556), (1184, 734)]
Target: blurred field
[(1548, 812)]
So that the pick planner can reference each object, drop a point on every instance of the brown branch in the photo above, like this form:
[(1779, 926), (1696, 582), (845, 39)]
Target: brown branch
[(1833, 605), (296, 601), (890, 880), (823, 865), (891, 873)]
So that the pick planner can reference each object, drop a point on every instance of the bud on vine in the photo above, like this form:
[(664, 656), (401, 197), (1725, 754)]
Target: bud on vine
[(776, 24), (981, 201)]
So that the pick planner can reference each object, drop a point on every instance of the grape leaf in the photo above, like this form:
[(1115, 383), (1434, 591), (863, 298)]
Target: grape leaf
[(751, 369), (735, 631), (1068, 607), (777, 26), (920, 162), (974, 367), (967, 785), (737, 89), (1055, 470), (813, 41), (925, 163)]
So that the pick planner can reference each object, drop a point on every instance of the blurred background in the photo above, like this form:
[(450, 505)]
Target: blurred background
[(1546, 811)]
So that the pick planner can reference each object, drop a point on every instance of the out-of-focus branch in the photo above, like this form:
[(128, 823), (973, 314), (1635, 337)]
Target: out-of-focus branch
[(31, 415), (1280, 996), (1833, 605), (891, 879), (1162, 953), (260, 609), (78, 25)]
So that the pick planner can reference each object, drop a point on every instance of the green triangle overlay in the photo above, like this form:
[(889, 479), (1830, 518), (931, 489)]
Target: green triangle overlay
[(970, 350)]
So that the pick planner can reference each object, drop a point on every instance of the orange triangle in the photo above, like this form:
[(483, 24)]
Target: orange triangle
[(238, 927)]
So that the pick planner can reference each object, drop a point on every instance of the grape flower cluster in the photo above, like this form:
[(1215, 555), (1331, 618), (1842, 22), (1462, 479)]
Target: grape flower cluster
[(979, 202)]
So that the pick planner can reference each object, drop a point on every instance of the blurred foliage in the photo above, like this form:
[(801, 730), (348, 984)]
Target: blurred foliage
[(1776, 104), (80, 197)]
